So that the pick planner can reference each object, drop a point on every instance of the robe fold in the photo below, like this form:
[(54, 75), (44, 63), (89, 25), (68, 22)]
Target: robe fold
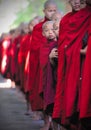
[(69, 64), (85, 105)]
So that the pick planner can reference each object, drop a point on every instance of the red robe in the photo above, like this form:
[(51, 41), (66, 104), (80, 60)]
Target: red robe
[(6, 58), (57, 103), (69, 65), (14, 60), (37, 40), (24, 47), (85, 105), (23, 52), (47, 82)]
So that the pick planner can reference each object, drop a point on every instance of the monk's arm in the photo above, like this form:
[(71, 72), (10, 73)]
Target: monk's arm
[(53, 54)]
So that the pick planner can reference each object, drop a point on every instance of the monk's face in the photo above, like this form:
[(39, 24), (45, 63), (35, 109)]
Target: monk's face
[(26, 29), (88, 1), (83, 3), (30, 27), (48, 31), (56, 16), (50, 10), (56, 28), (75, 4)]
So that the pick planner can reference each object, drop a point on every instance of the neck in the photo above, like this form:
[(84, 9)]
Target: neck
[(51, 40)]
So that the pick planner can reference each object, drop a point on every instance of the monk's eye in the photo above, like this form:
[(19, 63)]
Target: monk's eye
[(52, 29), (55, 28), (46, 30), (52, 10)]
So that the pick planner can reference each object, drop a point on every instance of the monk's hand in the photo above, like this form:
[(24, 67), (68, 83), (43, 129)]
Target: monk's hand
[(83, 51), (53, 53)]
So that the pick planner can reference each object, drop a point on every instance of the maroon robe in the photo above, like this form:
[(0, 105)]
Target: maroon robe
[(69, 65), (47, 82)]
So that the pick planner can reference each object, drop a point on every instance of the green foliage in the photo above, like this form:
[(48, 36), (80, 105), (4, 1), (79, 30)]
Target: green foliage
[(34, 8)]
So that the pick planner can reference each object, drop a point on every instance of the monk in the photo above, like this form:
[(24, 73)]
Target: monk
[(72, 31), (25, 49), (85, 105), (37, 39), (12, 33), (14, 61), (54, 51), (31, 25), (46, 71), (24, 46), (54, 55)]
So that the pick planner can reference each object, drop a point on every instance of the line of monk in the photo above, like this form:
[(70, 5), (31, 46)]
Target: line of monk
[(49, 60)]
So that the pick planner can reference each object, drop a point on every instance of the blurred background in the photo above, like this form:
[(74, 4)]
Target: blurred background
[(13, 12)]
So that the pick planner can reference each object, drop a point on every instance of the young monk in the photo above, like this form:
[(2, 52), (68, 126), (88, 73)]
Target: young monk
[(85, 105), (47, 75), (72, 31), (37, 39), (53, 56)]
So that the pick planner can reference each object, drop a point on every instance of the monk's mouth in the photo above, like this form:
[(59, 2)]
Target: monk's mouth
[(78, 6), (51, 36)]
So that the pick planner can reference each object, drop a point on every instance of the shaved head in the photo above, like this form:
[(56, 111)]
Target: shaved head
[(48, 3), (46, 24), (50, 8)]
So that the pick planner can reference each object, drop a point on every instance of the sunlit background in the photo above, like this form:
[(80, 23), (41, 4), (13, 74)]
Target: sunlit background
[(13, 12), (8, 11)]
